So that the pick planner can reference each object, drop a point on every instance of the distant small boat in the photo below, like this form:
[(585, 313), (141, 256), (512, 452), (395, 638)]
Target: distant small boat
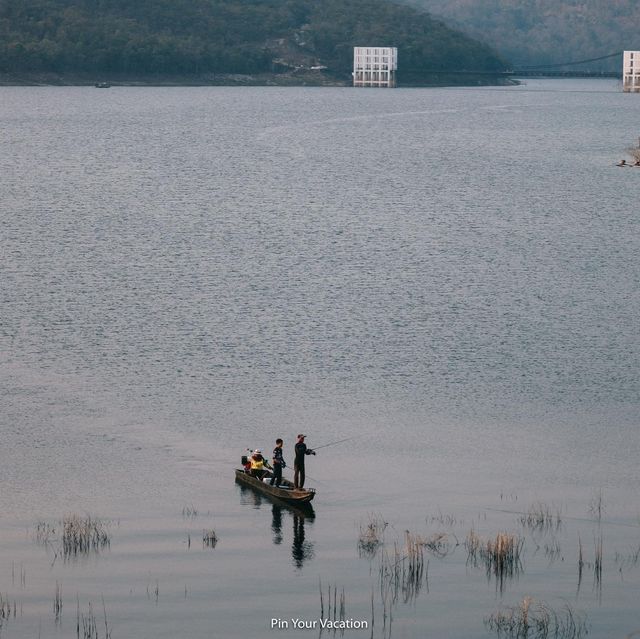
[(102, 85), (286, 492)]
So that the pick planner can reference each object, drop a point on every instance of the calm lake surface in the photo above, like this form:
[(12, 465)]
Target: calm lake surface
[(449, 277)]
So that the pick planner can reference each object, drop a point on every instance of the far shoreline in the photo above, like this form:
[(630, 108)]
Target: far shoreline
[(307, 79)]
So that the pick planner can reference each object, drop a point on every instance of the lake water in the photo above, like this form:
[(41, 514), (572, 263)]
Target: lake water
[(447, 277)]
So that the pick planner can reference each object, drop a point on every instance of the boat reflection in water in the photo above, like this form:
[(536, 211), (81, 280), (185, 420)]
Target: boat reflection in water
[(301, 548)]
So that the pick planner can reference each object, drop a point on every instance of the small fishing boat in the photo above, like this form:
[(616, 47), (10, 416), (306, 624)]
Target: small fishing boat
[(102, 85), (286, 492)]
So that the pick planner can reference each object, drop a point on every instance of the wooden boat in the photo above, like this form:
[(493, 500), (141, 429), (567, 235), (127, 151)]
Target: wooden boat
[(286, 492)]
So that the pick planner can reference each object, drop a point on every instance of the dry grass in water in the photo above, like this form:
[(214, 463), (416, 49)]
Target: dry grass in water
[(371, 536), (404, 572), (628, 560), (7, 609), (500, 556), (541, 518), (441, 544), (45, 533), (189, 512), (209, 538), (552, 551), (537, 620), (444, 520), (81, 535)]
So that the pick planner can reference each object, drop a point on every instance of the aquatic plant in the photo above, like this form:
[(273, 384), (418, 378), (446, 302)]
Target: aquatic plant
[(6, 608), (552, 550), (537, 620), (542, 518), (23, 574), (189, 512), (597, 564), (441, 544), (45, 532), (627, 560), (500, 556), (81, 535), (404, 571), (473, 543), (155, 591), (336, 608), (371, 536), (443, 520), (596, 506), (87, 624), (209, 538), (580, 562), (414, 572), (57, 603)]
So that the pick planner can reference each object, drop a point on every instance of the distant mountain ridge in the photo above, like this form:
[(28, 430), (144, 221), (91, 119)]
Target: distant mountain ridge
[(530, 32), (195, 37)]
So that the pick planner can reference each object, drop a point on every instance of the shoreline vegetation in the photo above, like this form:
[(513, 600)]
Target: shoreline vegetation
[(305, 78), (228, 42)]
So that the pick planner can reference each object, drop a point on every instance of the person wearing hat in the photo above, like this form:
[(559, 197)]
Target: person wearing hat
[(298, 465), (258, 464)]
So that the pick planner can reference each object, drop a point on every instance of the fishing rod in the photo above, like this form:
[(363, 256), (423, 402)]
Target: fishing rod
[(334, 443)]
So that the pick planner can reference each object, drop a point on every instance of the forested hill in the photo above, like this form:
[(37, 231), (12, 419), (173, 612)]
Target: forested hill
[(195, 37), (532, 32)]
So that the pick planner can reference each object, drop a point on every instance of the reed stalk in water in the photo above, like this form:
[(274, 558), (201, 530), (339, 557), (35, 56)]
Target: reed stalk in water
[(500, 555), (371, 536), (81, 535), (537, 620), (542, 518), (57, 603), (209, 538)]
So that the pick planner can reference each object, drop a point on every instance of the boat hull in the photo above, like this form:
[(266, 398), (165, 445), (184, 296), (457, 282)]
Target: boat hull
[(289, 495)]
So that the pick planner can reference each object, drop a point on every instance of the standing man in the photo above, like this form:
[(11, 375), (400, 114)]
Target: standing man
[(298, 465), (278, 464)]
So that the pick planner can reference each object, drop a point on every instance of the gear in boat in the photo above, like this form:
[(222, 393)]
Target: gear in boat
[(260, 479)]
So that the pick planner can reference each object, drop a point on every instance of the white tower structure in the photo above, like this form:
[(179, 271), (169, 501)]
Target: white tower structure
[(631, 72), (375, 66)]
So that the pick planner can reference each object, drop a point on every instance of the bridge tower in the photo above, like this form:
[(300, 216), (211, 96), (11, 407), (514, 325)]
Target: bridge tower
[(631, 72), (375, 66)]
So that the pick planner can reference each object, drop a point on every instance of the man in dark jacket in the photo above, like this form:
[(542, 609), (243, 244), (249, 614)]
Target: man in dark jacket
[(298, 465), (278, 464)]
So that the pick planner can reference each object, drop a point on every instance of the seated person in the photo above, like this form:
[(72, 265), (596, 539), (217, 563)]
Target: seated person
[(258, 464)]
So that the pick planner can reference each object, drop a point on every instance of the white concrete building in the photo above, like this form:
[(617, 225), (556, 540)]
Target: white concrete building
[(631, 72), (375, 66)]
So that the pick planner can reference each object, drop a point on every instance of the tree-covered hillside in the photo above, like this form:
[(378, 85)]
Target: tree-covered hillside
[(191, 37), (532, 32)]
